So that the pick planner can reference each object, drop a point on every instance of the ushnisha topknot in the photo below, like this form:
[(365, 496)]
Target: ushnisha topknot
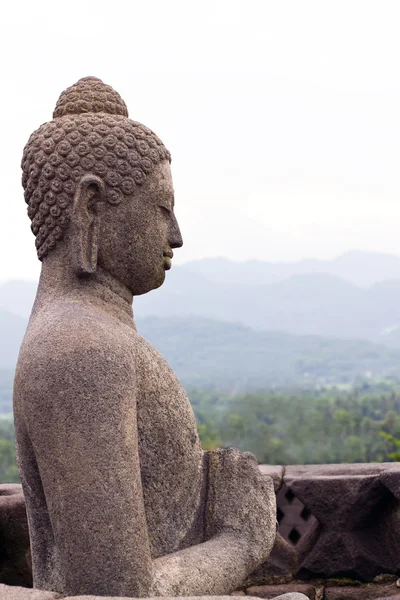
[(90, 95), (90, 133)]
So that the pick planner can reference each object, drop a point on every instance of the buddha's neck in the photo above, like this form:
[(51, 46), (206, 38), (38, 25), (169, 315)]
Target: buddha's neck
[(58, 280)]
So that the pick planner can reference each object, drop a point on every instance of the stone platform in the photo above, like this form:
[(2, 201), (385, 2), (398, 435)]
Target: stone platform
[(339, 536), (18, 593)]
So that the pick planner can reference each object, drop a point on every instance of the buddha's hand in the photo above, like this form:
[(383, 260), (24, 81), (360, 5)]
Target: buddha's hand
[(241, 501)]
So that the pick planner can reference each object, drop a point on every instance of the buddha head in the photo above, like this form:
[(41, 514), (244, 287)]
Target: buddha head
[(99, 190)]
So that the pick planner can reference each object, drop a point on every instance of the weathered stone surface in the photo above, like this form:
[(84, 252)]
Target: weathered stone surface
[(282, 563), (291, 596), (334, 470), (279, 591), (19, 593), (275, 472), (362, 592), (150, 598), (358, 534), (15, 568), (121, 499), (295, 520), (8, 592), (390, 478)]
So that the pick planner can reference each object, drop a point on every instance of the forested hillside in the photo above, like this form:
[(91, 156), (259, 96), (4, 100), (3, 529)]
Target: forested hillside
[(355, 296), (326, 426), (289, 398), (284, 427), (232, 358)]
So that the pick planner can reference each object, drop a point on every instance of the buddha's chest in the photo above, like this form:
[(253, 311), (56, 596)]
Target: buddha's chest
[(171, 458)]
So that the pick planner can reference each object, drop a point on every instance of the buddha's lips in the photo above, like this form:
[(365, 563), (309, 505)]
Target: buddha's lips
[(167, 263)]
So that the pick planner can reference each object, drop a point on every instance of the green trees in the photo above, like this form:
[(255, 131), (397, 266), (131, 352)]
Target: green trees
[(395, 455), (8, 468), (303, 427), (285, 427)]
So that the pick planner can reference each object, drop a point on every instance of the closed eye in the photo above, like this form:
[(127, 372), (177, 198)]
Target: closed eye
[(165, 208)]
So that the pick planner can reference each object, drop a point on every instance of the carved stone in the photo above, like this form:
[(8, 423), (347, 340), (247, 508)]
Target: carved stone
[(121, 499), (15, 568), (357, 534), (363, 592), (20, 593), (290, 591)]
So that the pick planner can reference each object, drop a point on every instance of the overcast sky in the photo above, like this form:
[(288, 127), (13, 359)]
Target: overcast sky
[(282, 117)]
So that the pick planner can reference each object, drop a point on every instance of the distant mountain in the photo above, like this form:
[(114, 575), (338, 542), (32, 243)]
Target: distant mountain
[(308, 304), (319, 304), (12, 330), (233, 357), (360, 268)]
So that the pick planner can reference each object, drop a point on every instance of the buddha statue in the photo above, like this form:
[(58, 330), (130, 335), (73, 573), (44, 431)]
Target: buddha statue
[(121, 499)]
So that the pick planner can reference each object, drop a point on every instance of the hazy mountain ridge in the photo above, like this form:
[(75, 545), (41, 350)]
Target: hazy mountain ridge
[(360, 268), (311, 303), (314, 304), (232, 357)]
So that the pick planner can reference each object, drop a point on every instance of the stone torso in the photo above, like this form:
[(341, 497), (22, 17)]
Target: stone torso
[(171, 459), (172, 481), (121, 499)]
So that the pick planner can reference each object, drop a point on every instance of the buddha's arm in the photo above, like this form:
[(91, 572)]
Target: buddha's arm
[(214, 568), (87, 449), (240, 528)]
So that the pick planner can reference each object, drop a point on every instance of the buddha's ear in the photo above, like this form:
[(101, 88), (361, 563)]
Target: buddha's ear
[(88, 205)]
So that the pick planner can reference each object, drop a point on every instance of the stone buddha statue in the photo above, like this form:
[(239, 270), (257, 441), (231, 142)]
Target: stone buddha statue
[(121, 499)]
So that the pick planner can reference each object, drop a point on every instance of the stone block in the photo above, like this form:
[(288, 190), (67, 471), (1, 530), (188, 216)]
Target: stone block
[(280, 566), (291, 596), (8, 592), (152, 598), (15, 567), (362, 592), (358, 535), (270, 592), (275, 472)]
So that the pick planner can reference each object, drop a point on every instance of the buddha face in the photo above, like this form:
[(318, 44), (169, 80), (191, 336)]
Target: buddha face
[(138, 236)]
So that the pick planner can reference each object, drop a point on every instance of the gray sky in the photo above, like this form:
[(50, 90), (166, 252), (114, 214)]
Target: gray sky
[(282, 117)]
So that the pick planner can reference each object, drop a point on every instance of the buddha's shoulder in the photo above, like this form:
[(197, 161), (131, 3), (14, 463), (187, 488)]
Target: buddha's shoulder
[(66, 327), (147, 357)]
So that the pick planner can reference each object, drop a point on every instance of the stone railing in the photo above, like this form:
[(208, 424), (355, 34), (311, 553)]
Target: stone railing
[(339, 534)]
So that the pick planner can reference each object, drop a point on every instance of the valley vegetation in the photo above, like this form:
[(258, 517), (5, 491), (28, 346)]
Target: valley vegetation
[(299, 426), (297, 362)]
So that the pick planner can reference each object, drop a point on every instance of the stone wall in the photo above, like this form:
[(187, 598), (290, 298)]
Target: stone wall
[(339, 533)]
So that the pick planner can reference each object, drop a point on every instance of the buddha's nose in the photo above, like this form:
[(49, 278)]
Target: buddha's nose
[(175, 236)]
